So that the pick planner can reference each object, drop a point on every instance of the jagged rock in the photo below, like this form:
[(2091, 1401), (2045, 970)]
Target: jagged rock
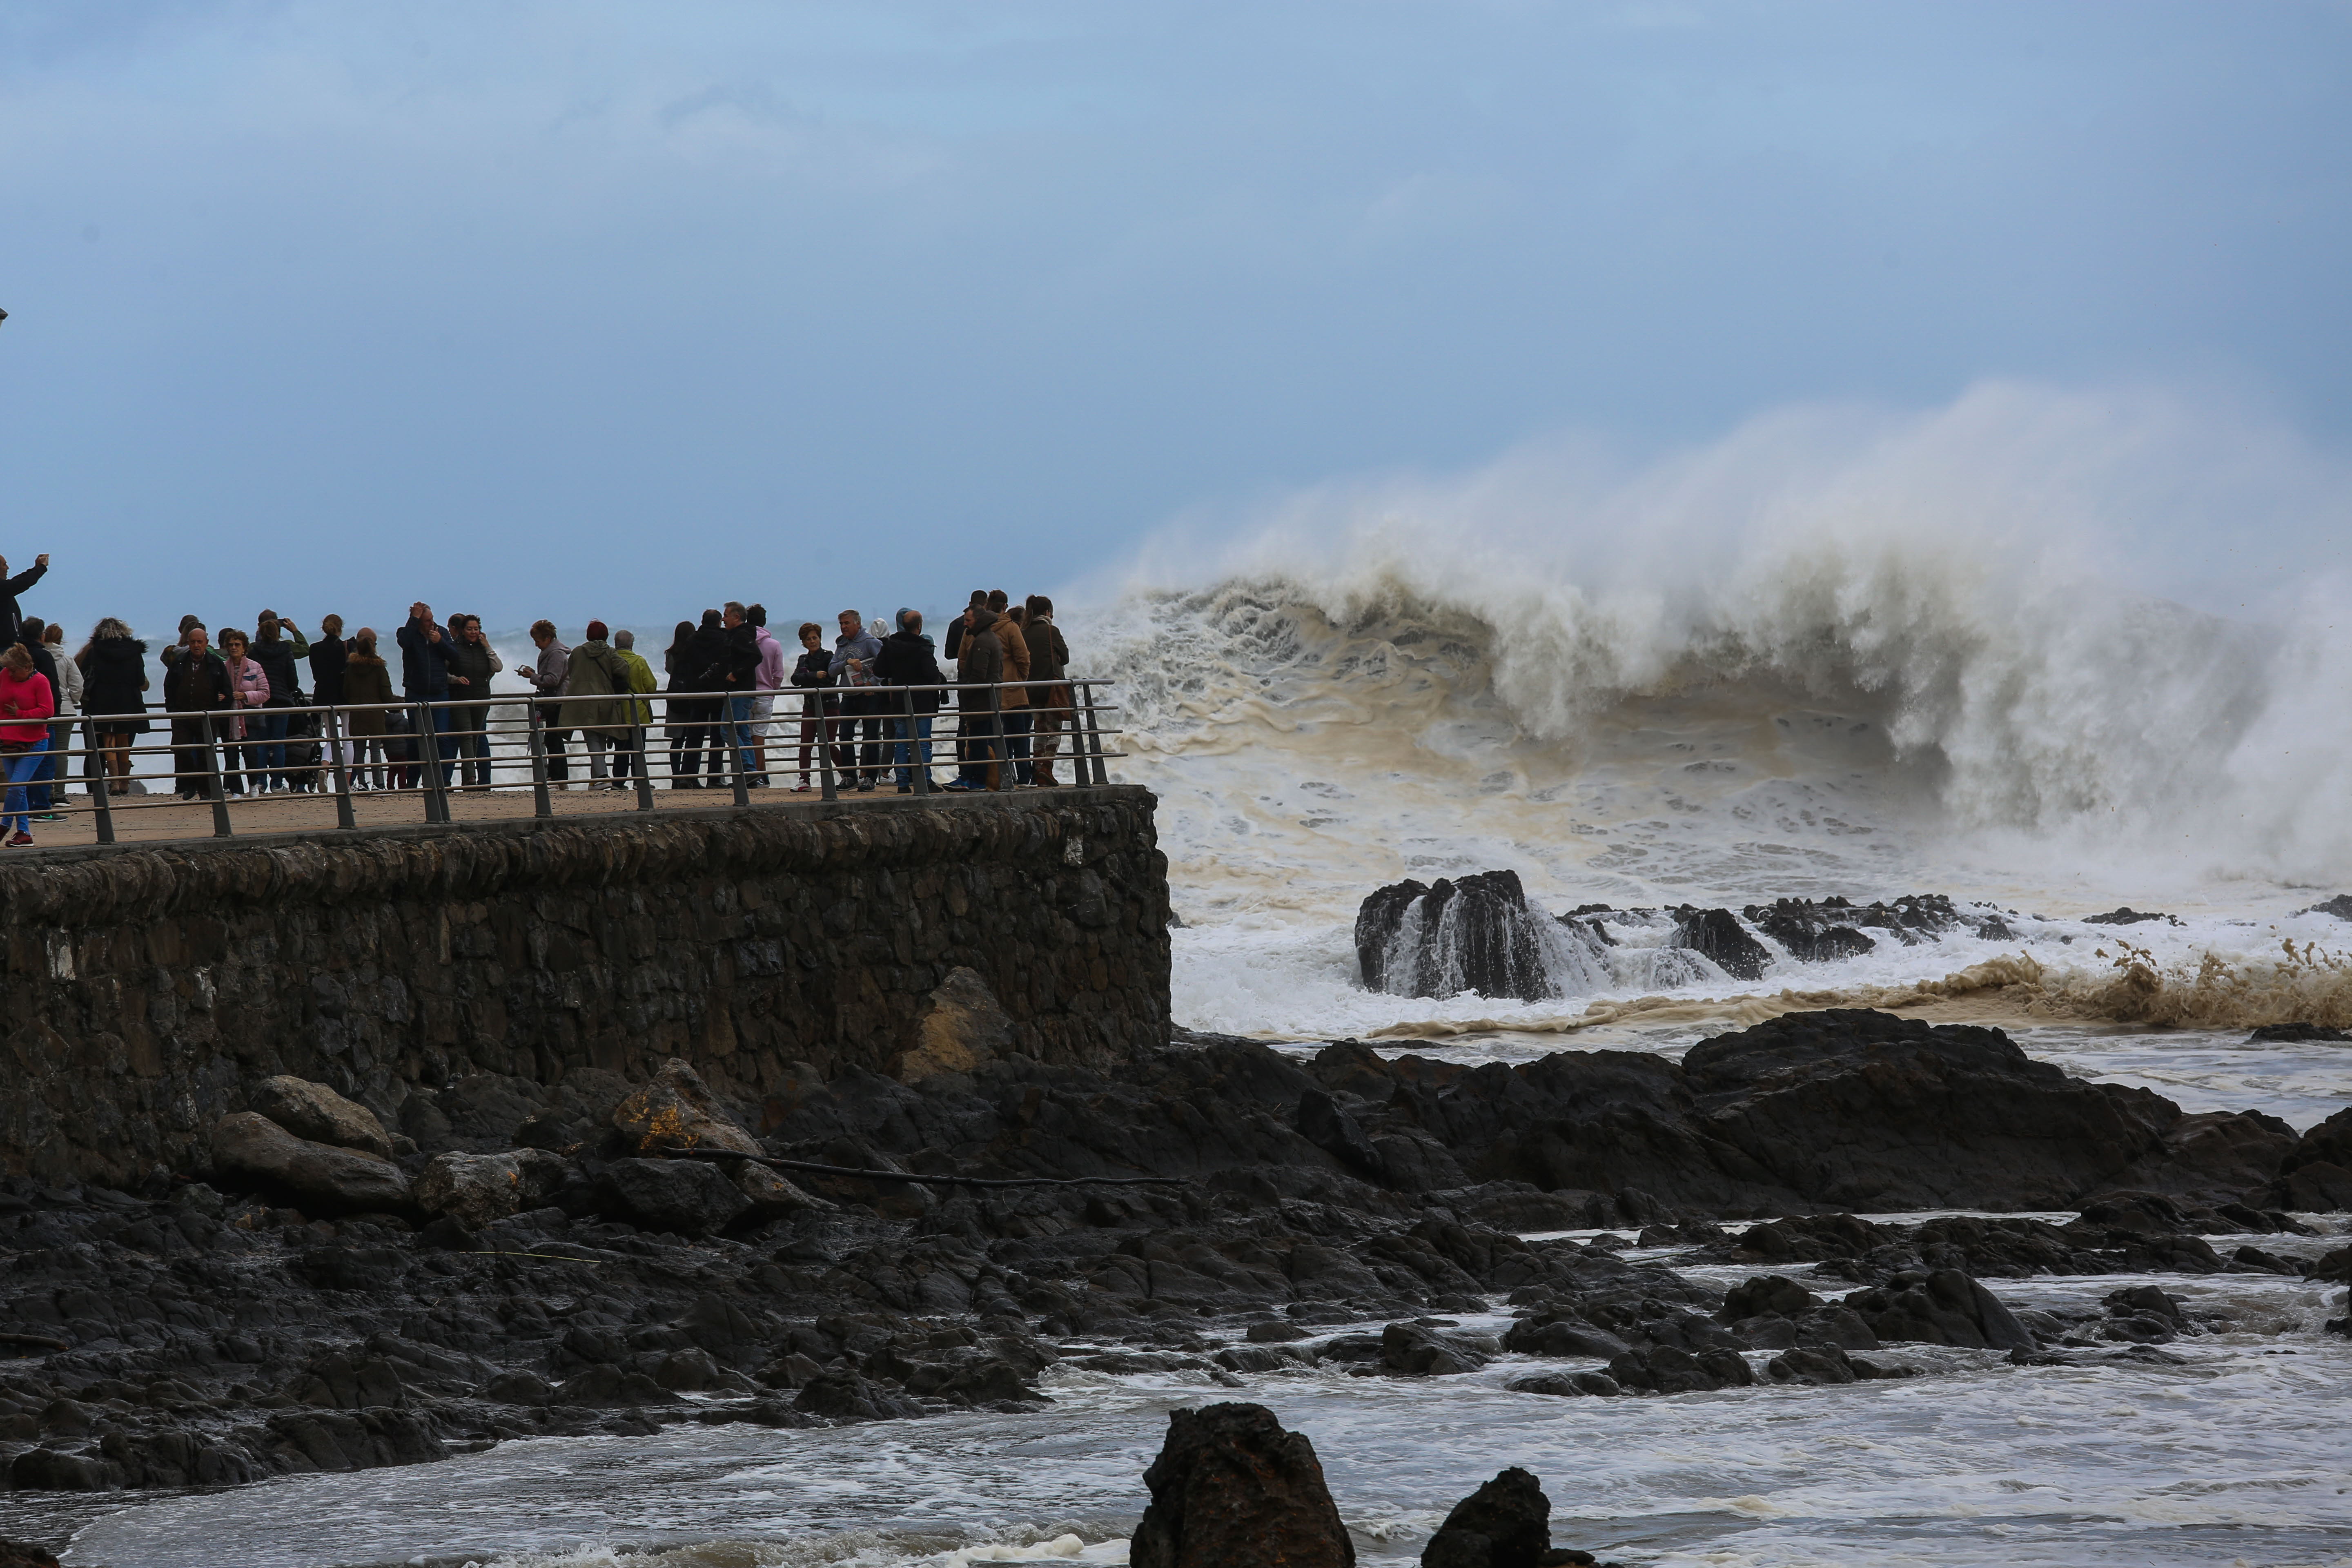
[(339, 1380), (845, 1396), (1717, 935), (318, 1176), (481, 1188), (1323, 1123), (1472, 933), (1232, 1489), (23, 1555), (1567, 1384), (690, 1197), (1506, 1523), (1943, 1307), (1812, 933), (314, 1111), (2340, 906), (608, 1386), (677, 1111), (1666, 1369), (2126, 916), (960, 1027), (2290, 1033), (1415, 1351), (1557, 1336)]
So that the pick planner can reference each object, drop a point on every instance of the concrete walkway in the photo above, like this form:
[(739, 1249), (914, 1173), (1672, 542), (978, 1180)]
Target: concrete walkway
[(148, 819)]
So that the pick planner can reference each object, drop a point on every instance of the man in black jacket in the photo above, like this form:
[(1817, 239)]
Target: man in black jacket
[(12, 618), (195, 685), (905, 659), (424, 677)]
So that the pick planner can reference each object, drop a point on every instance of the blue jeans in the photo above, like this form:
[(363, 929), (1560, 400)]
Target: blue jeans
[(444, 747), (269, 757), (904, 750), (22, 766), (40, 794)]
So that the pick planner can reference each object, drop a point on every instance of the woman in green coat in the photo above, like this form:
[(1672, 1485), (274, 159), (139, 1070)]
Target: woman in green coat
[(598, 671)]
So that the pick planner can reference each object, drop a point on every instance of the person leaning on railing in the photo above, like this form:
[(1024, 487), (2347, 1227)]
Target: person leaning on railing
[(195, 690), (114, 687), (27, 702)]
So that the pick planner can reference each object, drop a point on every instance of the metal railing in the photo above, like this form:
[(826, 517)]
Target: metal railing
[(850, 740)]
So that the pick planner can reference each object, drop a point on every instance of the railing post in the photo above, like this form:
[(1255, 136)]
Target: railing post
[(221, 828), (540, 805), (735, 747), (919, 763), (638, 733), (1093, 734), (102, 795), (827, 787), (344, 816), (998, 742), (428, 750)]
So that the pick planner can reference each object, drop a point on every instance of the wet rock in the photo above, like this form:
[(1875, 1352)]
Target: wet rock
[(314, 1111), (519, 1388), (676, 1110), (1664, 1369), (1546, 1335), (341, 1381), (2294, 1034), (847, 1396), (1412, 1350), (2340, 906), (607, 1386), (961, 1026), (48, 1470), (1232, 1489), (23, 1555), (1471, 933), (1812, 933), (481, 1188), (1942, 1308), (1717, 935), (1506, 1523), (2126, 916), (687, 1197), (1569, 1383), (1812, 1365), (321, 1177)]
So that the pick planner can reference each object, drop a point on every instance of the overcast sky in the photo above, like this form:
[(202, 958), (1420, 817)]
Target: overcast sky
[(580, 309)]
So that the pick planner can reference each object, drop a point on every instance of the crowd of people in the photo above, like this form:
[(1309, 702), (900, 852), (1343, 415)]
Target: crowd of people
[(864, 701)]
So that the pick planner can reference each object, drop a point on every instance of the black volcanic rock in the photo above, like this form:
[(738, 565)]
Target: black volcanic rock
[(1474, 934), (2126, 916), (2289, 1034), (1506, 1523), (2340, 906), (1812, 933), (1717, 934), (1232, 1489)]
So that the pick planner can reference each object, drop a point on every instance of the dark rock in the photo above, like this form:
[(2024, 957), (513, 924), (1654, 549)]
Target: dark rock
[(2290, 1033), (23, 1555), (1568, 1384), (610, 1385), (1232, 1489), (847, 1396), (1717, 935), (1412, 1350), (322, 1178), (687, 1197), (481, 1188), (46, 1470), (1942, 1308), (1472, 933), (1811, 932), (2340, 906), (2124, 916), (1323, 1123), (1665, 1369), (1812, 1365), (1506, 1523), (1556, 1336)]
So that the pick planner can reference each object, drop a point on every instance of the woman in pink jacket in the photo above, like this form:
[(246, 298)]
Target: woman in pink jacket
[(26, 705), (248, 687)]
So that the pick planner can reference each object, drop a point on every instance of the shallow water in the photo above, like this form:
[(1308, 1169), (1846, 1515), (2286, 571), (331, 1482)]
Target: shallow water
[(2244, 1454)]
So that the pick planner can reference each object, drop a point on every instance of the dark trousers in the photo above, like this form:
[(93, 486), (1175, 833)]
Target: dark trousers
[(553, 738), (863, 763), (470, 726), (191, 755), (1016, 744)]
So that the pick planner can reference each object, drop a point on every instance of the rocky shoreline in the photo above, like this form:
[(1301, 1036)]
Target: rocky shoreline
[(515, 1260)]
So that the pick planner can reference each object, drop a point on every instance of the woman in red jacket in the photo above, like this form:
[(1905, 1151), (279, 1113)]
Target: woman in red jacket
[(26, 705)]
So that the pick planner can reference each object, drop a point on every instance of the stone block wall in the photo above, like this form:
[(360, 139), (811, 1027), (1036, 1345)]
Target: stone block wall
[(145, 985)]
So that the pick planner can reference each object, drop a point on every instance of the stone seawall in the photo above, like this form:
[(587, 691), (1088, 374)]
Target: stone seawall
[(146, 986)]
